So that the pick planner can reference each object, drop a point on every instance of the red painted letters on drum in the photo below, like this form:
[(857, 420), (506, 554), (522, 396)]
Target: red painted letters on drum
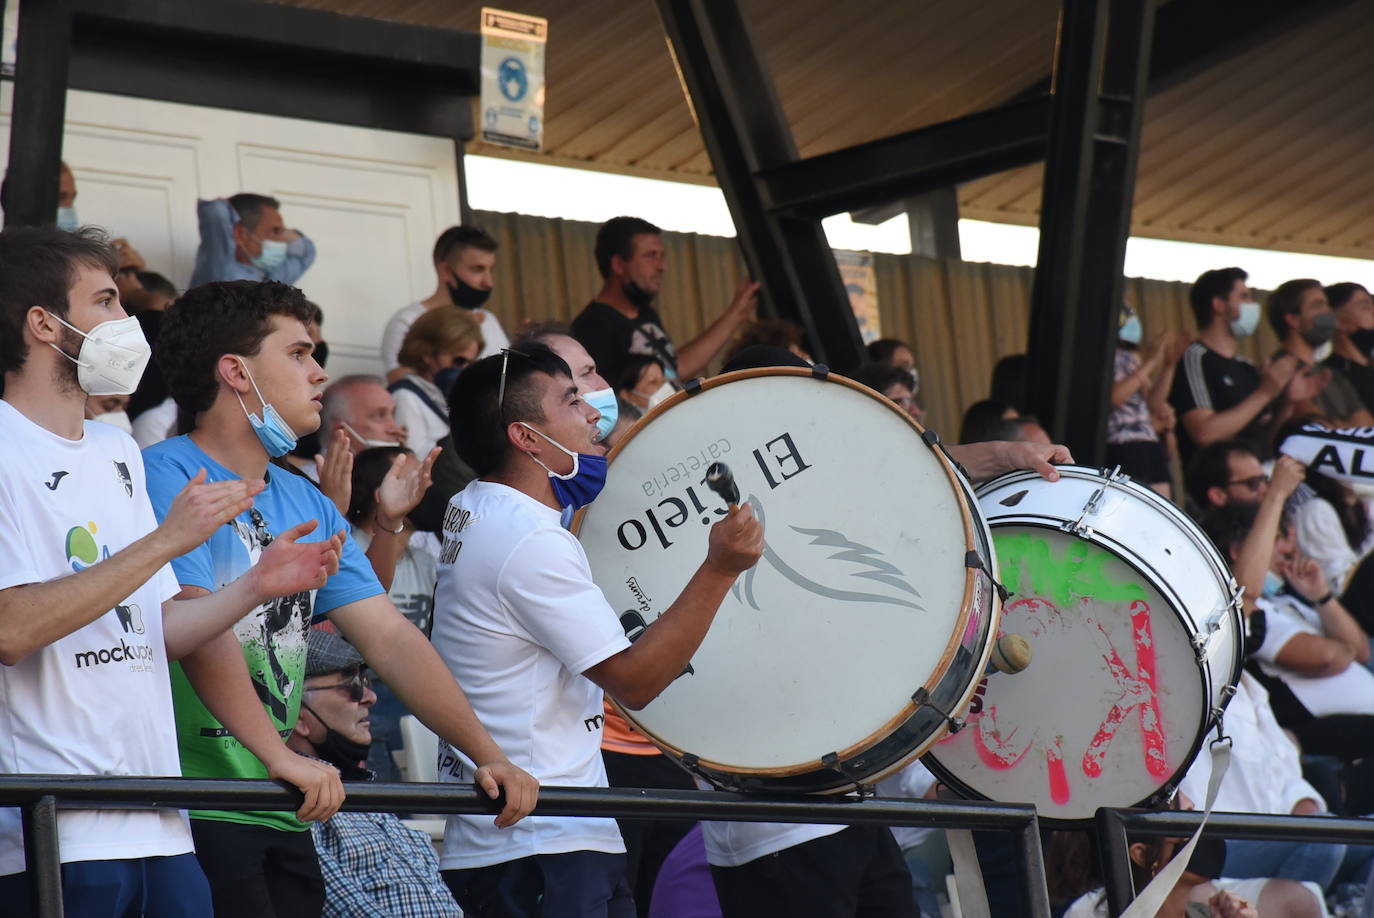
[(1138, 691)]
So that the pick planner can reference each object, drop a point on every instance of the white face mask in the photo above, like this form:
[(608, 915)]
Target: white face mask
[(112, 358), (662, 392), (366, 443), (116, 419)]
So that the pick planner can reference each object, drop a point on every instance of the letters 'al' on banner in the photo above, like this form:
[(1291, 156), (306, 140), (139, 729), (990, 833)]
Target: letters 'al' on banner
[(513, 78)]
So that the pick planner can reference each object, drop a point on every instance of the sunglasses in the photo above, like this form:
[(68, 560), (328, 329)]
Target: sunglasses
[(356, 685), (1254, 482), (501, 390)]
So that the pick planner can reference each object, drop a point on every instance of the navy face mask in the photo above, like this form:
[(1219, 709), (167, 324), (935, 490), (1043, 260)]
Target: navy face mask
[(580, 486)]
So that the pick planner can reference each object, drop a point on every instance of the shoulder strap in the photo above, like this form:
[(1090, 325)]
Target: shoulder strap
[(409, 386)]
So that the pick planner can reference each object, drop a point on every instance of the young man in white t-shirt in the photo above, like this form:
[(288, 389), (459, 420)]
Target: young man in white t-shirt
[(520, 622), (464, 261), (87, 629)]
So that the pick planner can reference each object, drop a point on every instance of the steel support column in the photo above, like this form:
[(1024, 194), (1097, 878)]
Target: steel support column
[(1098, 101), (745, 132), (40, 106)]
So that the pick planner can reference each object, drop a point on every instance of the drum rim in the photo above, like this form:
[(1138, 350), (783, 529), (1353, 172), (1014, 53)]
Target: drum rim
[(968, 505)]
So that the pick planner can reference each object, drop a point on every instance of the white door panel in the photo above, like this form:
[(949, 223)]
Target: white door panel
[(373, 201)]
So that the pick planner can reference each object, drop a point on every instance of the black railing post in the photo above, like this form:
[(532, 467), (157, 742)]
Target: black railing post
[(42, 856), (1032, 858), (1114, 854), (40, 105)]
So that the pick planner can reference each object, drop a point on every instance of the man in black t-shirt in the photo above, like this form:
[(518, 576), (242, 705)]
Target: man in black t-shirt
[(622, 320), (1220, 395)]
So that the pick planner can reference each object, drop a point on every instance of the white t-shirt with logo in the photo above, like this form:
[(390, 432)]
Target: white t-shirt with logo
[(518, 619), (399, 323), (98, 701)]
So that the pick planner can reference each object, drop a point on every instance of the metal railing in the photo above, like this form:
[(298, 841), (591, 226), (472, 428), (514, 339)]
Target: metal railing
[(1114, 825), (41, 796)]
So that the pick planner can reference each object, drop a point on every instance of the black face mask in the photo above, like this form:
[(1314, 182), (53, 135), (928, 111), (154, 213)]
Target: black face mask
[(341, 752), (636, 295), (1363, 338), (466, 297)]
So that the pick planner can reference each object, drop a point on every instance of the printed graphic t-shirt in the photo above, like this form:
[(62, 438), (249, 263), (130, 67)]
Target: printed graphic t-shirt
[(273, 635), (518, 619), (95, 702), (610, 337)]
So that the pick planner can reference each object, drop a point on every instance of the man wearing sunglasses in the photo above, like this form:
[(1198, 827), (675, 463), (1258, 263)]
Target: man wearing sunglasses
[(373, 864)]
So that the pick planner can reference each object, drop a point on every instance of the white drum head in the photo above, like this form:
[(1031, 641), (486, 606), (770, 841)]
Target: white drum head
[(857, 601), (1112, 705)]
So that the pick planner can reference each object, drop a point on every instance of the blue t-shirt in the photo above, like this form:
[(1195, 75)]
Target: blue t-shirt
[(273, 635)]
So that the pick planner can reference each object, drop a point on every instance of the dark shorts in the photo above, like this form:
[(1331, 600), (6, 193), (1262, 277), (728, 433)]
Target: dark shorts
[(856, 873), (156, 887), (647, 841), (579, 884), (1143, 460), (259, 872)]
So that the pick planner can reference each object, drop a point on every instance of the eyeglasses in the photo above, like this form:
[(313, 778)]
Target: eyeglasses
[(357, 685), (1254, 482)]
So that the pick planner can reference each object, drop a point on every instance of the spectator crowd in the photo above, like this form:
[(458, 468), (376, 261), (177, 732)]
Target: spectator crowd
[(219, 562)]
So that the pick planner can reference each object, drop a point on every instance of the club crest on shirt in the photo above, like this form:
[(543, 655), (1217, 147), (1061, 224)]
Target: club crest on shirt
[(125, 478)]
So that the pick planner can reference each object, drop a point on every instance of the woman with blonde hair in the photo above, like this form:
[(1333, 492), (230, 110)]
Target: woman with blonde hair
[(435, 350)]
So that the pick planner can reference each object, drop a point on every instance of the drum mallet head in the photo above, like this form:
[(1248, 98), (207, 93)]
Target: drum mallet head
[(1011, 653), (720, 479)]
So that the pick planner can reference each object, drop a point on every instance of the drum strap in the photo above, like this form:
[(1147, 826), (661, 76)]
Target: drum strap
[(1148, 903), (968, 876)]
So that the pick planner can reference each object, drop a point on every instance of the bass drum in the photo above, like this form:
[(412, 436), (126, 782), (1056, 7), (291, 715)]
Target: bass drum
[(841, 655), (1136, 627)]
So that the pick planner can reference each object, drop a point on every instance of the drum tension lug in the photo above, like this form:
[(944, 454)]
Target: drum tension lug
[(922, 699), (831, 760), (974, 561), (692, 386), (820, 371)]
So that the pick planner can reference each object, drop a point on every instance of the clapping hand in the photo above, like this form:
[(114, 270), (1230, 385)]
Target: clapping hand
[(403, 487)]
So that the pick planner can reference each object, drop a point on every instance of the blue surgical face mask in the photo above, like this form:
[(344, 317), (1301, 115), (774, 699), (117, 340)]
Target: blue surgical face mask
[(1273, 585), (604, 401), (1245, 325), (579, 487), (1130, 330), (66, 219), (272, 256), (275, 435)]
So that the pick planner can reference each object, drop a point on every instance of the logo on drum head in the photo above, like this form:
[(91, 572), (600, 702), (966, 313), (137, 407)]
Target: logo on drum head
[(859, 561)]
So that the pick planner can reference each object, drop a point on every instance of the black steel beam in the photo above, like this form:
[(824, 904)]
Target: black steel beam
[(910, 164), (40, 104), (1085, 217), (1193, 37), (745, 132), (279, 60)]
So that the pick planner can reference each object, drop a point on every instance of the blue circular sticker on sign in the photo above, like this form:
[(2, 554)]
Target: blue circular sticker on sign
[(511, 76)]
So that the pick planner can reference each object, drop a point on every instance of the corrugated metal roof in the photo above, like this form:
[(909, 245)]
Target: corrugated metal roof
[(1266, 150)]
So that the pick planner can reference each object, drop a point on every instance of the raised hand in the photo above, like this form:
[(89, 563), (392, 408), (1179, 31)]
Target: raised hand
[(746, 300), (403, 487), (289, 566), (202, 507), (336, 471), (1287, 475)]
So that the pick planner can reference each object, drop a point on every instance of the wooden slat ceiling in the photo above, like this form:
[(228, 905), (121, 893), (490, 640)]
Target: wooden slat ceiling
[(1268, 150)]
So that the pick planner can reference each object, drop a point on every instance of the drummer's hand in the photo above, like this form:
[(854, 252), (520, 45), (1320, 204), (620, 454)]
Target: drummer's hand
[(736, 543), (1038, 457)]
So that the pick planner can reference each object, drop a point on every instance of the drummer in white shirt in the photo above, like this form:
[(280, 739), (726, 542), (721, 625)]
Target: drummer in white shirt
[(519, 620)]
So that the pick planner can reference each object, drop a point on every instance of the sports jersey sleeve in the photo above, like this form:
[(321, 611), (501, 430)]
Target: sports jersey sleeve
[(354, 579), (1280, 627), (20, 566), (1189, 389), (166, 476), (547, 590)]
